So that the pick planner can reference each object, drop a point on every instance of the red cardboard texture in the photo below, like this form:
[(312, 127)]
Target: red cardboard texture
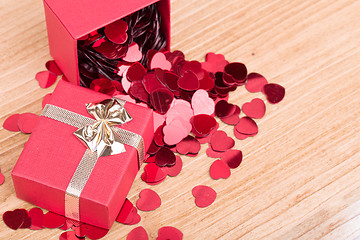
[(52, 154), (69, 20)]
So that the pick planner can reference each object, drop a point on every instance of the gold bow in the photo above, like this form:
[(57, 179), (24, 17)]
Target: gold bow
[(99, 136)]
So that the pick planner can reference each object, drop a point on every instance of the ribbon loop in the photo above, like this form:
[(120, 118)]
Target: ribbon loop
[(99, 136)]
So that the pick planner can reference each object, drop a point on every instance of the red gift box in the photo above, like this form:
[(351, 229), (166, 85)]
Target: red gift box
[(69, 20), (53, 152)]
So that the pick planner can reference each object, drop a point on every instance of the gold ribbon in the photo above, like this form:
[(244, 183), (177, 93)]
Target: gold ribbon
[(101, 138)]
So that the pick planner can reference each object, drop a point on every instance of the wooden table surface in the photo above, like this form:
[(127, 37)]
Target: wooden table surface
[(300, 177)]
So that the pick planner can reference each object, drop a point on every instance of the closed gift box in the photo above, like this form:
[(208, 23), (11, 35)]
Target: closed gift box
[(68, 21), (53, 153)]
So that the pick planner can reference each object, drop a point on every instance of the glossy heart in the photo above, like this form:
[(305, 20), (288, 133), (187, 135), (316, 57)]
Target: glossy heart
[(27, 122), (161, 99), (148, 200), (233, 158), (224, 109), (255, 82), (219, 169), (214, 63), (188, 145), (14, 219), (52, 67), (213, 154), (116, 32), (203, 125), (174, 170), (201, 103), (136, 72), (36, 215), (189, 82), (247, 126), (274, 92), (133, 54), (154, 173), (53, 220)]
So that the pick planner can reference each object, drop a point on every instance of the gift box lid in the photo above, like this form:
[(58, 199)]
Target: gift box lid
[(81, 17)]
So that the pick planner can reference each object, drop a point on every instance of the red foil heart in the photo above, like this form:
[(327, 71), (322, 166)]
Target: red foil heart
[(202, 125), (52, 67), (221, 142), (14, 219), (161, 100), (254, 109), (169, 233), (224, 109), (27, 122), (188, 145), (274, 92), (255, 82), (148, 200), (37, 216), (53, 220), (11, 123), (219, 169), (247, 126), (189, 82), (204, 196), (165, 157), (46, 79), (138, 233), (233, 158), (174, 170), (116, 32)]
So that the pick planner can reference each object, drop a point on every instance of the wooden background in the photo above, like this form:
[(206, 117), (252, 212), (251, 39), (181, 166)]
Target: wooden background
[(300, 178)]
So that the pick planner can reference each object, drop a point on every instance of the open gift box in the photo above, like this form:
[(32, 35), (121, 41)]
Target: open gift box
[(69, 22), (54, 160)]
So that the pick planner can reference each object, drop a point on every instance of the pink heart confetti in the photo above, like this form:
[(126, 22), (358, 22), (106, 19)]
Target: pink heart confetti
[(133, 54), (221, 142), (165, 158), (201, 103), (274, 92), (138, 233), (11, 123), (174, 170), (176, 131), (219, 169), (116, 32), (254, 109), (148, 200), (255, 82), (159, 61), (233, 158), (27, 122), (52, 67), (169, 233), (188, 145), (46, 79), (46, 100), (204, 196)]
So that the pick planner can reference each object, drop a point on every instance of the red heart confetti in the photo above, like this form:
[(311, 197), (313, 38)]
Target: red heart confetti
[(11, 123), (274, 92), (221, 142), (169, 233), (36, 215), (159, 61), (255, 82), (161, 100), (214, 63), (194, 67), (189, 82), (151, 83), (148, 200), (138, 233), (254, 109), (110, 50), (46, 79), (247, 126), (224, 109), (237, 70), (204, 196), (138, 91), (46, 100), (94, 232), (52, 67), (103, 85), (154, 173), (133, 54), (233, 158), (188, 145), (116, 32), (234, 118), (53, 220), (14, 219), (174, 170), (202, 124), (27, 122), (219, 169), (128, 214), (136, 72), (165, 157), (159, 136)]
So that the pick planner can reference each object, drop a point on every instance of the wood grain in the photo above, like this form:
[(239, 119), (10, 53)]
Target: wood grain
[(300, 178)]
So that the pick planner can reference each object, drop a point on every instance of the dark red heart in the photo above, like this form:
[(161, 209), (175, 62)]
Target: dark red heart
[(274, 92), (165, 157), (189, 82), (224, 109), (233, 158), (161, 99)]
